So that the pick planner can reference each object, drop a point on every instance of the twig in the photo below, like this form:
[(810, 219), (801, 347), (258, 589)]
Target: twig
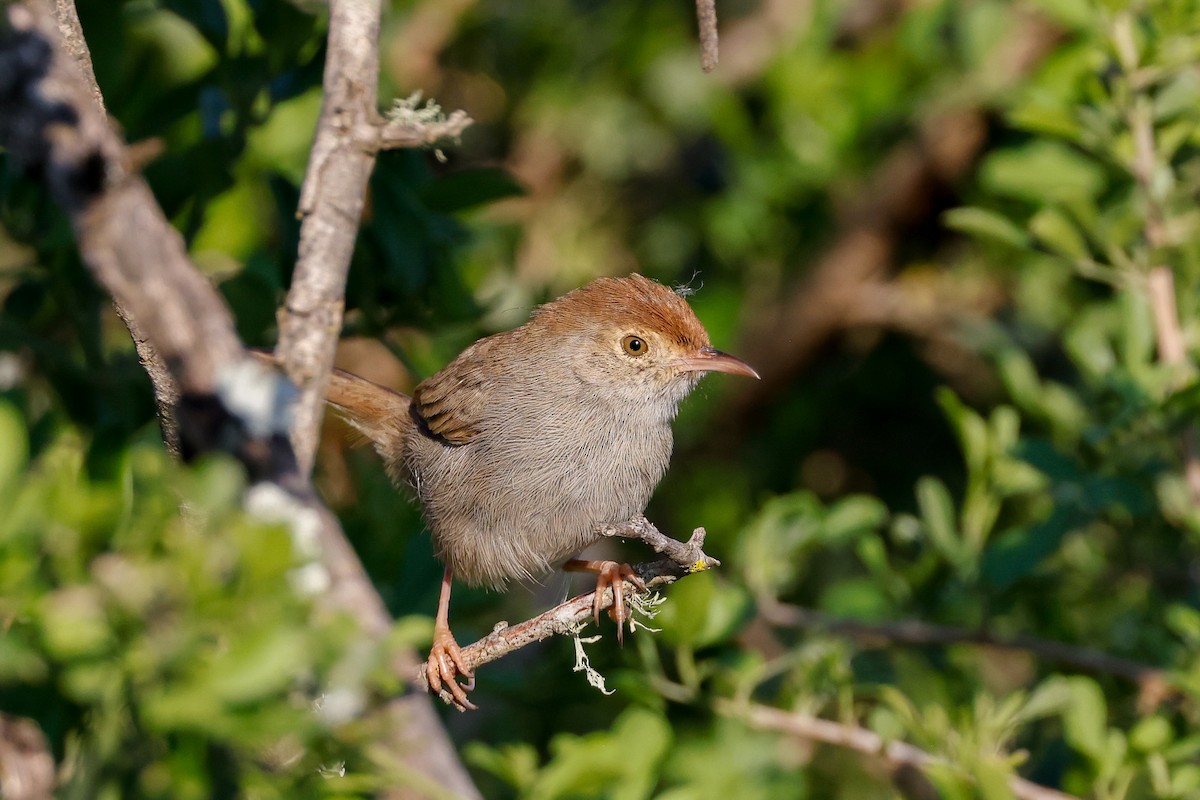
[(706, 17), (894, 754), (690, 553), (26, 766), (403, 132), (567, 618)]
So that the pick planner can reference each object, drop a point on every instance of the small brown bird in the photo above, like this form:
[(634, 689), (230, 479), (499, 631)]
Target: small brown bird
[(533, 438)]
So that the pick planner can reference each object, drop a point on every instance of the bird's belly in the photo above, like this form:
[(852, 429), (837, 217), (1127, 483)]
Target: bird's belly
[(500, 510)]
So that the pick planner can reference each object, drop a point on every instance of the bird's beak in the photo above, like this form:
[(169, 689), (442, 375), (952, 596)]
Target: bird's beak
[(708, 359)]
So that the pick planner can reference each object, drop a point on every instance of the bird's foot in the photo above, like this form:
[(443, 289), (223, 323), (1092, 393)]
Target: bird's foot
[(610, 574), (445, 665)]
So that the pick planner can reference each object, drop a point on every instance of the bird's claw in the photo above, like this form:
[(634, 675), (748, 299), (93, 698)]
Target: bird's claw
[(445, 664), (612, 574)]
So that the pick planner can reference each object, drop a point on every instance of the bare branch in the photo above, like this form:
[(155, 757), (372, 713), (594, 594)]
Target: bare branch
[(26, 766), (70, 33), (52, 125), (349, 133), (567, 618), (689, 554), (706, 17), (897, 755)]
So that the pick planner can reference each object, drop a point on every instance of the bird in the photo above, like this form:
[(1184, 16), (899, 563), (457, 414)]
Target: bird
[(531, 439)]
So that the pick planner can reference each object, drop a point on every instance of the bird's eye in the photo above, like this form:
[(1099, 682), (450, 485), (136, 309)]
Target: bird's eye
[(635, 346)]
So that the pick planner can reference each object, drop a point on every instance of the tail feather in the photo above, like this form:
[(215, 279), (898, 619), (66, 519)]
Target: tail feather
[(378, 413)]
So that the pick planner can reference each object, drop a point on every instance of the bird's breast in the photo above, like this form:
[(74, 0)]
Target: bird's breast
[(527, 494)]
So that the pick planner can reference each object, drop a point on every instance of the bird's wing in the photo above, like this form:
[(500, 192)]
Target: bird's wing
[(452, 402)]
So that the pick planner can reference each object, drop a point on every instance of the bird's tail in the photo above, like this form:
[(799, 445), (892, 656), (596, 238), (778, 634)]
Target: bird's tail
[(377, 412)]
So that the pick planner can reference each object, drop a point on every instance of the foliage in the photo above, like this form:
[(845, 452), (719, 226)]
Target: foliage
[(167, 654), (1009, 455)]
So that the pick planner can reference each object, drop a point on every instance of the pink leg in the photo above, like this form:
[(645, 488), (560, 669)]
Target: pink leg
[(446, 661)]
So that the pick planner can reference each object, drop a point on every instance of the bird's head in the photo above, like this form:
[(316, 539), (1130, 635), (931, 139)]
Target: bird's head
[(636, 338)]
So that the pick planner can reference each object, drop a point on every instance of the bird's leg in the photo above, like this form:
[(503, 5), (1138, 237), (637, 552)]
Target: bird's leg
[(446, 662), (614, 574)]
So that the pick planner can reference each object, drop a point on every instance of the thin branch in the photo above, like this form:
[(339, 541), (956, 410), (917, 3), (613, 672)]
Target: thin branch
[(1154, 683), (567, 618), (1160, 280), (896, 755), (349, 133), (690, 553), (26, 766), (706, 17)]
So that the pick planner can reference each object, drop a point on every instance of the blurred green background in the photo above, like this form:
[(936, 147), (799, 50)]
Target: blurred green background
[(930, 225)]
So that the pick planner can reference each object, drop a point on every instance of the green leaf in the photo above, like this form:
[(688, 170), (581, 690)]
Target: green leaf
[(852, 517), (985, 224), (1051, 697), (1151, 735), (1058, 234), (971, 429), (856, 598), (1048, 119), (993, 779), (1085, 721), (937, 512), (73, 623), (1042, 172), (702, 610), (258, 666)]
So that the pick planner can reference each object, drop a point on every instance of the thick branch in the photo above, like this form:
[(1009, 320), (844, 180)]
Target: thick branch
[(50, 123), (895, 754), (166, 393), (567, 618)]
